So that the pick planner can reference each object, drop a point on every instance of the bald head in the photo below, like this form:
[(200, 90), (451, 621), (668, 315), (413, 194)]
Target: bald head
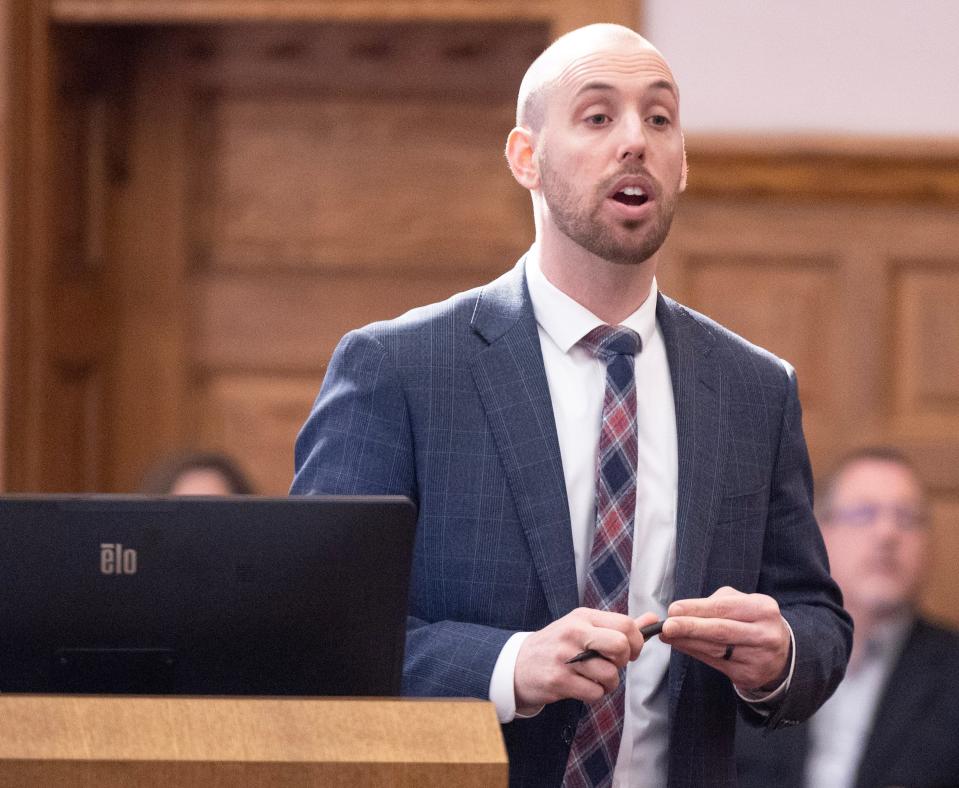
[(599, 145), (555, 63)]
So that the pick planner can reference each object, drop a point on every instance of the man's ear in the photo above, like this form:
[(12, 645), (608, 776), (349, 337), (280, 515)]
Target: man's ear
[(682, 179), (520, 155)]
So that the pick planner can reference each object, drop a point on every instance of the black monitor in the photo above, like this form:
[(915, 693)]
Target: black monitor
[(204, 596)]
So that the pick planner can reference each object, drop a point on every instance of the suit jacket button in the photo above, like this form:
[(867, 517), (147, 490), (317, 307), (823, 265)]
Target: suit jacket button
[(567, 734)]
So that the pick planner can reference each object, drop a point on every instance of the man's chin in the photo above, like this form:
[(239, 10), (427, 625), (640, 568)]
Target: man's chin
[(627, 249), (618, 244), (616, 253), (632, 255)]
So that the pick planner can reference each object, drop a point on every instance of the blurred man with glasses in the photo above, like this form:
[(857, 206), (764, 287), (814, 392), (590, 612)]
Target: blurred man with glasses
[(895, 718)]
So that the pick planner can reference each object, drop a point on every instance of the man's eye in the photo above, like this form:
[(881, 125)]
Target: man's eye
[(598, 119), (659, 120)]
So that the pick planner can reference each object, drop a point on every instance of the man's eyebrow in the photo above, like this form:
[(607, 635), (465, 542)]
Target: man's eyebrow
[(664, 84)]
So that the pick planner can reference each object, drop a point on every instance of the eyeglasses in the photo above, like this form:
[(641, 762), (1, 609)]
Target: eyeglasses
[(906, 518)]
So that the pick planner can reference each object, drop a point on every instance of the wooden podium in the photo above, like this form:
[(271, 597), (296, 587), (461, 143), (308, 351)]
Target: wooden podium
[(178, 741)]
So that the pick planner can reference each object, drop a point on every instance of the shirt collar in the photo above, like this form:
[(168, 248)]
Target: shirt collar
[(889, 634), (566, 321), (888, 638)]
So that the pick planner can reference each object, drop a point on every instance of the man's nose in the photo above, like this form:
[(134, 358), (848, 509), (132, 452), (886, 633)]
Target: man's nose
[(886, 524), (632, 138)]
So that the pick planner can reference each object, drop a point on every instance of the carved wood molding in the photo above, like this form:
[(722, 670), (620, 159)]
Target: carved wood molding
[(205, 11), (846, 168), (561, 15)]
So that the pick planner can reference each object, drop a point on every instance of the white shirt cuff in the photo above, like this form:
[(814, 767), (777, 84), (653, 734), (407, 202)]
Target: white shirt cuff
[(502, 690), (754, 697)]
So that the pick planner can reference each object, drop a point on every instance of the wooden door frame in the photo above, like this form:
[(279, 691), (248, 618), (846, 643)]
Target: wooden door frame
[(6, 167), (25, 250)]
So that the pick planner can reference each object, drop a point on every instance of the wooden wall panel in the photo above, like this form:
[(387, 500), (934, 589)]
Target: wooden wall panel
[(330, 146), (564, 14), (291, 323), (808, 169), (80, 392), (941, 593), (863, 299), (272, 202), (309, 182), (338, 176), (924, 366), (478, 59), (256, 419), (788, 306), (147, 246)]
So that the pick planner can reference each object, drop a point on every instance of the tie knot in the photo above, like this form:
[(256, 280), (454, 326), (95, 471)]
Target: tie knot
[(606, 342)]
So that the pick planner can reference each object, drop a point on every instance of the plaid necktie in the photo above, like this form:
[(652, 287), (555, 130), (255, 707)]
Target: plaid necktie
[(593, 753)]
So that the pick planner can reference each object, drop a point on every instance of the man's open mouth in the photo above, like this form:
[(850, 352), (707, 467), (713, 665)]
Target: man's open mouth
[(631, 195)]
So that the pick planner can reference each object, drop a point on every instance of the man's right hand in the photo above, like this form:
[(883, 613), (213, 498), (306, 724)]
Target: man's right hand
[(542, 676)]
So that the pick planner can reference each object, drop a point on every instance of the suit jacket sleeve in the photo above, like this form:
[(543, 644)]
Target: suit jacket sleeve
[(795, 571), (358, 440)]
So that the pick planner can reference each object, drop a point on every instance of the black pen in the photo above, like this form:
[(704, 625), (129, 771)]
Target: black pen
[(647, 632)]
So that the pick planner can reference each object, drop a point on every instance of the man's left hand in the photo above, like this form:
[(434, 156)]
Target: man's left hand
[(748, 624)]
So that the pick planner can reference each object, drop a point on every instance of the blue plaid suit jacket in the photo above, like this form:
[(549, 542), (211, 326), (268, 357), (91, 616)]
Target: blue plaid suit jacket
[(449, 405)]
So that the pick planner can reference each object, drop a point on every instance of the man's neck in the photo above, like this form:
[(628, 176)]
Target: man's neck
[(611, 291)]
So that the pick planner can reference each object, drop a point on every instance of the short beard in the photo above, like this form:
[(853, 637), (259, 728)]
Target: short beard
[(581, 225)]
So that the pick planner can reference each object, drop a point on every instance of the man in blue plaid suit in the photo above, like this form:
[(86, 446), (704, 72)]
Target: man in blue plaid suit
[(486, 410)]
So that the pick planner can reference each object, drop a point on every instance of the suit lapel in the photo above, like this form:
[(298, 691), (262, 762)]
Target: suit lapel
[(511, 380), (697, 391), (906, 694)]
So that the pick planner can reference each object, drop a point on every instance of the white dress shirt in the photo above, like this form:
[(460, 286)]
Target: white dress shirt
[(838, 732), (577, 383)]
